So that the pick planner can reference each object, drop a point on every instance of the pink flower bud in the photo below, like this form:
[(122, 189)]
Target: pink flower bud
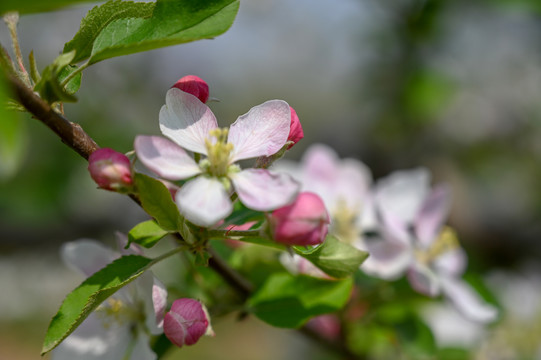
[(110, 169), (186, 322), (295, 129), (304, 222), (194, 85)]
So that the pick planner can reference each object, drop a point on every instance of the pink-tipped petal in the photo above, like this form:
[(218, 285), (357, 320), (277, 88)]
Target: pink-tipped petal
[(424, 280), (159, 301), (262, 131), (467, 301), (186, 120), (194, 85), (264, 190), (432, 215), (204, 201), (165, 158)]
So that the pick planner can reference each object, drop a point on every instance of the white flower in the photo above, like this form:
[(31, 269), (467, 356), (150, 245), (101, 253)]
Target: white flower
[(412, 238), (191, 125), (119, 328)]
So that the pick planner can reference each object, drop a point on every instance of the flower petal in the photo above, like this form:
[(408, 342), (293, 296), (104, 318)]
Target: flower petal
[(452, 262), (402, 193), (263, 190), (388, 259), (186, 120), (204, 201), (432, 215), (467, 301), (86, 256), (262, 131), (424, 280), (153, 294), (165, 158)]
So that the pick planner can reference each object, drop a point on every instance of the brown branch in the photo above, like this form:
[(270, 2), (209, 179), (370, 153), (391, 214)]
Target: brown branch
[(70, 133), (233, 278)]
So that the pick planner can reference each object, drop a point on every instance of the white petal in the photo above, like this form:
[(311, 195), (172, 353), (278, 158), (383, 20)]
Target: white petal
[(432, 215), (92, 341), (86, 256), (424, 280), (165, 158), (387, 260), (262, 131), (186, 120), (402, 193), (451, 262), (142, 350), (263, 190), (467, 301), (204, 201), (153, 294), (354, 180)]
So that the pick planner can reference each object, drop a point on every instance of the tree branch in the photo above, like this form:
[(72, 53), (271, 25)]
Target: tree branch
[(71, 134)]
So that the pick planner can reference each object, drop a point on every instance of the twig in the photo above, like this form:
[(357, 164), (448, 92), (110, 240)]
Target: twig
[(72, 134)]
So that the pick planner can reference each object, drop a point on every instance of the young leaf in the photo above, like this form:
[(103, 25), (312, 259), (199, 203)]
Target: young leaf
[(334, 257), (157, 202), (146, 234), (92, 292), (172, 22), (289, 301), (49, 86), (98, 18)]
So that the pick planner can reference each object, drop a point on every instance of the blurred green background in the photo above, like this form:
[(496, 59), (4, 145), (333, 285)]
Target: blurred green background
[(450, 85)]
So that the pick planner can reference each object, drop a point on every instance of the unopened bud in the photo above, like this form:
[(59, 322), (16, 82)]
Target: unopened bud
[(194, 85), (111, 170), (295, 130), (304, 222), (186, 322)]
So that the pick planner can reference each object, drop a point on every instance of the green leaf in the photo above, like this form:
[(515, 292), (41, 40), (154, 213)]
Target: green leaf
[(158, 203), (146, 234), (98, 18), (13, 138), (289, 301), (49, 87), (92, 292), (172, 22), (30, 6), (334, 257), (241, 215)]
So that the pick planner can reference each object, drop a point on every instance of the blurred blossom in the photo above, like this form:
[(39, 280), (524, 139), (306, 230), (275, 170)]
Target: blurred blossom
[(412, 238), (120, 327), (205, 199)]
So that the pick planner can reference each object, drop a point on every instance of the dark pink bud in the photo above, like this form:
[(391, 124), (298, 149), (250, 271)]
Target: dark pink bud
[(304, 222), (194, 85), (327, 325), (295, 130), (110, 169), (186, 322)]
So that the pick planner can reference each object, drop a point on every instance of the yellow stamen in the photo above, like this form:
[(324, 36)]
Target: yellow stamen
[(446, 242), (218, 152), (343, 222)]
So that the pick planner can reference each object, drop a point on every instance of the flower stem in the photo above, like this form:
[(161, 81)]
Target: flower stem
[(224, 234)]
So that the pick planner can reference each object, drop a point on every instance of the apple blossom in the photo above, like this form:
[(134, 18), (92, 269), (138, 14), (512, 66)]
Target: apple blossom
[(304, 222), (110, 169), (194, 85), (119, 328), (205, 199), (186, 322), (412, 238)]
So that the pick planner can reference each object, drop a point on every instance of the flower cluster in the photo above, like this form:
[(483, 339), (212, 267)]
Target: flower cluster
[(399, 220)]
